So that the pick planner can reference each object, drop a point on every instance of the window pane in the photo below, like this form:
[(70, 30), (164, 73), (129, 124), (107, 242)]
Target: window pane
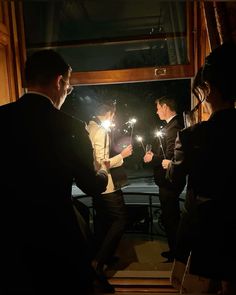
[(104, 34), (126, 56), (133, 100)]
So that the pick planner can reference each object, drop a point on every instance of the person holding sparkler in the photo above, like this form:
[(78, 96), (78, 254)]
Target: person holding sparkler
[(205, 153), (163, 148), (110, 209)]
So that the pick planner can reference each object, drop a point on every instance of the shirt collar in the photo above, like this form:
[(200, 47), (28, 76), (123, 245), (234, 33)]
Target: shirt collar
[(41, 94), (169, 119)]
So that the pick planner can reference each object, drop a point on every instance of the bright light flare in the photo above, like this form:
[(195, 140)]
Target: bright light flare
[(140, 139), (159, 133), (131, 122), (107, 124)]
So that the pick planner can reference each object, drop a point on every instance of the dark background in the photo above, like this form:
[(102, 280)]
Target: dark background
[(132, 100)]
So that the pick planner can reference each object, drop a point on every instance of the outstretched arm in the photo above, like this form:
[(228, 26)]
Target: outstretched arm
[(91, 182)]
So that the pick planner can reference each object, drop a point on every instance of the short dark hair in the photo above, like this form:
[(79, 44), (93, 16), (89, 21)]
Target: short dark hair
[(103, 107), (169, 101), (44, 65)]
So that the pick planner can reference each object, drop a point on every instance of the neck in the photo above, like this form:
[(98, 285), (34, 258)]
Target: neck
[(45, 91), (170, 115)]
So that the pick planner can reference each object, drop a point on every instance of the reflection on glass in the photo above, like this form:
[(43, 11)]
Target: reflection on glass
[(121, 40)]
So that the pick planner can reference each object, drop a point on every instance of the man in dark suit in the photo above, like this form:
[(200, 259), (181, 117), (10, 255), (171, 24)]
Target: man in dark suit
[(43, 151), (168, 194)]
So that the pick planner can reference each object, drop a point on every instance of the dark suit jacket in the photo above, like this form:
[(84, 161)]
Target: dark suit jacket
[(206, 153), (42, 152), (169, 131)]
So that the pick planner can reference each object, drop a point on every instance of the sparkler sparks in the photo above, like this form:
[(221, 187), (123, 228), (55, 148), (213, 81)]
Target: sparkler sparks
[(140, 139), (160, 134), (130, 124), (107, 125)]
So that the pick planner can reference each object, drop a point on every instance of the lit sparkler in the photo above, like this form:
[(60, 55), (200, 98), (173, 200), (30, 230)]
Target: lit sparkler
[(131, 123), (140, 139), (106, 124), (160, 134)]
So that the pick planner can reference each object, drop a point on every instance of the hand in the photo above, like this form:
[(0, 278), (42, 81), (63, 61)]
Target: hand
[(107, 164), (148, 157), (165, 163), (126, 152)]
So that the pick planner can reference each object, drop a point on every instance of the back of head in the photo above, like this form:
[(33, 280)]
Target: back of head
[(43, 66), (104, 107), (170, 101), (218, 69)]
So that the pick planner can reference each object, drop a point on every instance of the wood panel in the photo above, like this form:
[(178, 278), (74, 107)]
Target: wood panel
[(131, 75), (10, 53), (6, 90)]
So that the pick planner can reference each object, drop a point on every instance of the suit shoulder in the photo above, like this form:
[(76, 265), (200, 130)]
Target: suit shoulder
[(176, 122), (72, 120), (7, 112), (7, 107), (195, 130), (76, 126)]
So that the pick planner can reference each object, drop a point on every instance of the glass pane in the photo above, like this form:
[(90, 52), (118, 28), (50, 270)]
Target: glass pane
[(102, 35), (134, 100), (125, 56)]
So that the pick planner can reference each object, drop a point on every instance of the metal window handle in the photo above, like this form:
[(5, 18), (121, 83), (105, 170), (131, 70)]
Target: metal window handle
[(160, 71)]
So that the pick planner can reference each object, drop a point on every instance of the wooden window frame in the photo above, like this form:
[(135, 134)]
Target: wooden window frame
[(141, 74), (145, 74)]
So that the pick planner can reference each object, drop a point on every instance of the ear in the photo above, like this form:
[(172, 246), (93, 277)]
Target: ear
[(164, 106), (58, 81)]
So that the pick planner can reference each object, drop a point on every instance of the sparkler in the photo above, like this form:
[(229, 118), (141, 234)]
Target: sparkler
[(160, 134), (131, 123), (106, 124), (140, 139), (148, 148)]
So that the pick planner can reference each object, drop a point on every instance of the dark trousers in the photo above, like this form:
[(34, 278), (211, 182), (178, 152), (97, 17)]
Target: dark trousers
[(169, 200), (110, 223)]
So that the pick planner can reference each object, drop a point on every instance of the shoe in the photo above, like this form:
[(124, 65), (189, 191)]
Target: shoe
[(169, 260), (102, 285), (168, 254)]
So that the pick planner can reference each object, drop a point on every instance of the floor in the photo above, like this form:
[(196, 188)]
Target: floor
[(139, 252), (140, 267)]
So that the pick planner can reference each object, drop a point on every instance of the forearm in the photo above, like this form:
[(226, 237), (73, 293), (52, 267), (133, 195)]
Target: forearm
[(116, 161), (93, 183)]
